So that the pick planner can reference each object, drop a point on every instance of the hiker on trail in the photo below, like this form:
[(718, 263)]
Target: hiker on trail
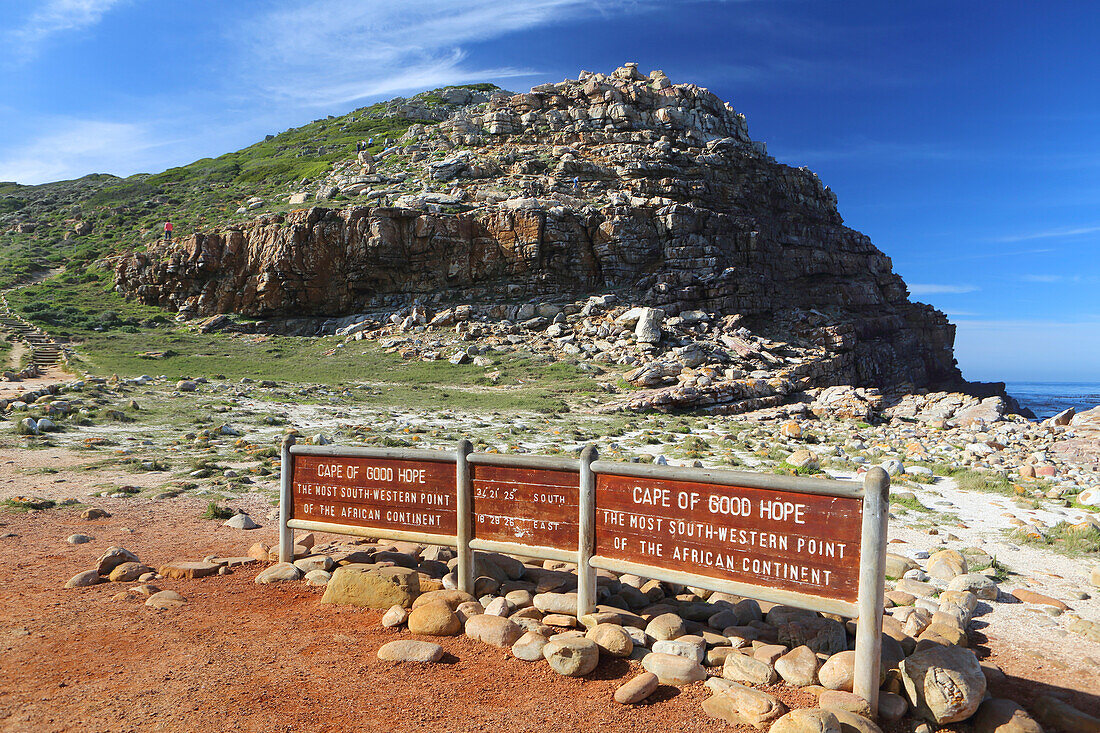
[(370, 141), (358, 146), (168, 231), (576, 184)]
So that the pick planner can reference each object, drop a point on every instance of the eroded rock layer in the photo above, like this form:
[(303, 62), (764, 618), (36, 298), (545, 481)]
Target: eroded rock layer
[(614, 182)]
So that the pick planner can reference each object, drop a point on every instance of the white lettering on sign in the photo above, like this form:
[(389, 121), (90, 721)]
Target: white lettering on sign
[(781, 511)]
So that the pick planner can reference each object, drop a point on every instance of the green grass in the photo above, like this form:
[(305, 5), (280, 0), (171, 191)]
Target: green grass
[(1001, 571), (116, 336), (125, 212), (26, 505), (910, 503), (1064, 538), (971, 480), (216, 511)]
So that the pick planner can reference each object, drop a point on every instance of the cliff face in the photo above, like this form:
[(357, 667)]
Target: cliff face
[(619, 182)]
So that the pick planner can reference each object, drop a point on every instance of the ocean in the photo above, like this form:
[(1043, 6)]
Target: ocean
[(1050, 398)]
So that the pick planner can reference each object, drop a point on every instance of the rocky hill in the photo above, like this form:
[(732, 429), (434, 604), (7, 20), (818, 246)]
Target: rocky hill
[(620, 183)]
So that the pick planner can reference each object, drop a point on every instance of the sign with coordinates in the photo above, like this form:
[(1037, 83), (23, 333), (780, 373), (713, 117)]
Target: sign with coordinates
[(808, 543), (382, 493), (528, 506)]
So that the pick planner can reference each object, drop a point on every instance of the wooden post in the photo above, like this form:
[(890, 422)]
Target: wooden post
[(463, 488), (586, 531), (286, 483), (872, 576)]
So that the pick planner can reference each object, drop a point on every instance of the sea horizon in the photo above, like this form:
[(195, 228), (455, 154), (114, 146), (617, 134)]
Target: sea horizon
[(1048, 398)]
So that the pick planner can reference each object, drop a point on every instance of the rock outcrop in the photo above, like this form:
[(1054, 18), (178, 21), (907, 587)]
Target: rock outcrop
[(619, 182)]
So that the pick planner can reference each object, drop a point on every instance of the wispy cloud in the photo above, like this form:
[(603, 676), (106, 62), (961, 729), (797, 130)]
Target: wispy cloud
[(1050, 234), (74, 147), (53, 17), (940, 289), (1050, 279), (325, 52)]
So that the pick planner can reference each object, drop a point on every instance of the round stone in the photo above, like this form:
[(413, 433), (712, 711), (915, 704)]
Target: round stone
[(838, 673), (611, 639), (674, 670), (529, 646), (395, 616), (434, 619), (495, 630), (572, 657)]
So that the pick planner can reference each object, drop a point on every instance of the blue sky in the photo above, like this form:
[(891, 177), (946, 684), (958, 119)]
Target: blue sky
[(962, 137)]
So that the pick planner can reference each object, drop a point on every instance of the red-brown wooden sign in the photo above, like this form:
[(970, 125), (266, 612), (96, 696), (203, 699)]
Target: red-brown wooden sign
[(808, 543), (382, 493), (528, 506)]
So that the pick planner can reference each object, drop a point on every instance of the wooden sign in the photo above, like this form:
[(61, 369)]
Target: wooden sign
[(527, 506), (803, 542), (383, 493)]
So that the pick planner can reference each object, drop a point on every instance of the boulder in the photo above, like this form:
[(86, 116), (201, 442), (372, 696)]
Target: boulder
[(1054, 714), (410, 650), (112, 558), (838, 672), (572, 657), (529, 646), (854, 723), (318, 577), (128, 571), (740, 705), (396, 616), (998, 715), (564, 603), (945, 684), (806, 720), (434, 619), (980, 585), (83, 580), (946, 564), (453, 598), (746, 669), (494, 630), (798, 667), (665, 626), (691, 647), (279, 573), (359, 585), (674, 670), (612, 639), (847, 701), (165, 600)]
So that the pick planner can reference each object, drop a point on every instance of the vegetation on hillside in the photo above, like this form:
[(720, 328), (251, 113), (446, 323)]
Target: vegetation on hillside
[(76, 222)]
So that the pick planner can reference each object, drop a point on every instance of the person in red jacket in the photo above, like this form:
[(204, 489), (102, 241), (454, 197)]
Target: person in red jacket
[(168, 230)]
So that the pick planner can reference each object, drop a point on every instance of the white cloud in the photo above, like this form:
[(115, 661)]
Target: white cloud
[(73, 148), (1051, 234), (1049, 279), (326, 52), (939, 289), (56, 16)]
